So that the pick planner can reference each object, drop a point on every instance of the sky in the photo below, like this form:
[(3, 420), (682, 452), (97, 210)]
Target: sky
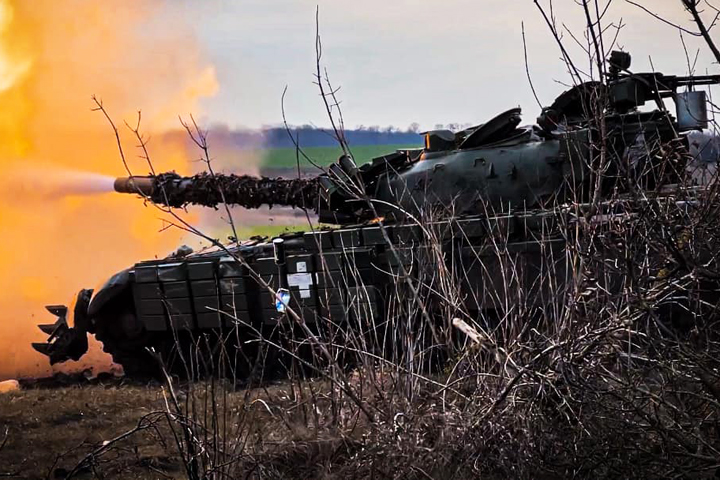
[(403, 61)]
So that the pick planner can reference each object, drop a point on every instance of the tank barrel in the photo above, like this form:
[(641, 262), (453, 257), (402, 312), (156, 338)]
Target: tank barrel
[(207, 190)]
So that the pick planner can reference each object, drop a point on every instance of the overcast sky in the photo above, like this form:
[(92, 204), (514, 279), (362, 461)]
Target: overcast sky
[(404, 61)]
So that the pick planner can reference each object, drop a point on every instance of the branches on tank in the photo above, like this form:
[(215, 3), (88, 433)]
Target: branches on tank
[(246, 191)]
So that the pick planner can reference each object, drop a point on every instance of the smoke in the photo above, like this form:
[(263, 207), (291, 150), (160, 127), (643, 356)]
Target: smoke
[(58, 231), (49, 183)]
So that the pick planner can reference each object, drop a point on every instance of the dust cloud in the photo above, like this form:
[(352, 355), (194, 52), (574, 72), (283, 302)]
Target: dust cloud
[(59, 231), (49, 183)]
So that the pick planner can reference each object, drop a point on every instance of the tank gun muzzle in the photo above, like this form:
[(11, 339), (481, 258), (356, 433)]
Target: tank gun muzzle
[(140, 185)]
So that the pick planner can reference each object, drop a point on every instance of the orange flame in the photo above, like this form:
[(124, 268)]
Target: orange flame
[(53, 57)]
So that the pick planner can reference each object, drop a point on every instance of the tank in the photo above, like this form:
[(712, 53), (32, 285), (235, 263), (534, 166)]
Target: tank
[(396, 218)]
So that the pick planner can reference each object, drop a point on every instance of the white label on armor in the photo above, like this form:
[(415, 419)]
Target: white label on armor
[(301, 267), (302, 280)]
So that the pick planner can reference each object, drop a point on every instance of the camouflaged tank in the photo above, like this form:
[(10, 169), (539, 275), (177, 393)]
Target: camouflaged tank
[(397, 216)]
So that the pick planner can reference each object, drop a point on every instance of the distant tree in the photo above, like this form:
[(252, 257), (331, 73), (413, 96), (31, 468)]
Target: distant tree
[(414, 128), (373, 128), (439, 126)]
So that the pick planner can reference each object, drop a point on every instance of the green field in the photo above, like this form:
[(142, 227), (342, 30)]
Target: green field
[(246, 231), (323, 156)]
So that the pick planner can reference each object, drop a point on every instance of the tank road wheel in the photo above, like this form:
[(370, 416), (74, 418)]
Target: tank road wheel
[(125, 339)]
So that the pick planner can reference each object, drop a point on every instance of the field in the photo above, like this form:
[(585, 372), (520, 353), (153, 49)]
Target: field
[(48, 428), (286, 158)]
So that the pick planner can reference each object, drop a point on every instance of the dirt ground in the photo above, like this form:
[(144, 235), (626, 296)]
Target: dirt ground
[(51, 426)]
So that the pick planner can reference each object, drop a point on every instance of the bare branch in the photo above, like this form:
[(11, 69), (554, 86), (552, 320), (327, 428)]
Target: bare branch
[(527, 68)]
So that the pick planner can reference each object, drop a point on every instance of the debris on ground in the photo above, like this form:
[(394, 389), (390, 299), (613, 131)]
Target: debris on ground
[(9, 386)]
